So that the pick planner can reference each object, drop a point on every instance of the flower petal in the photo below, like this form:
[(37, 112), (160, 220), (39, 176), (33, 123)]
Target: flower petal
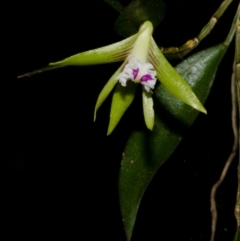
[(172, 80), (107, 89), (142, 43), (108, 54), (122, 98), (148, 110)]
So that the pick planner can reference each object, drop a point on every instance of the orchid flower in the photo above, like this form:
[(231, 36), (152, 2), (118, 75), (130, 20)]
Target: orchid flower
[(143, 63)]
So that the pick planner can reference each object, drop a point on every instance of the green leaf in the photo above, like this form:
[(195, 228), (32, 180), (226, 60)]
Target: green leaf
[(136, 13), (116, 5), (122, 98), (145, 151)]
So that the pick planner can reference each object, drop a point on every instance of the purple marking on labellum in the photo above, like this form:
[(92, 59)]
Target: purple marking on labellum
[(135, 73), (145, 78)]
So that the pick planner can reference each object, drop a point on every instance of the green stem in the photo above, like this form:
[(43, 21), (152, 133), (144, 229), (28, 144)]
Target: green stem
[(208, 28), (237, 58), (233, 28), (179, 52)]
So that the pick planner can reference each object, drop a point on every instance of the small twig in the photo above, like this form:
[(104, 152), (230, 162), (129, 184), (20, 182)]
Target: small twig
[(179, 52), (236, 70), (213, 207)]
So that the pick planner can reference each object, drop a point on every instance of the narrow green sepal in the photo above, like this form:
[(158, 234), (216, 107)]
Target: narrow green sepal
[(107, 89), (172, 80), (108, 54), (148, 110), (122, 98), (38, 71)]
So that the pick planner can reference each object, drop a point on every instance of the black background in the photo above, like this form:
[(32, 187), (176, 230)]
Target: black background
[(64, 170)]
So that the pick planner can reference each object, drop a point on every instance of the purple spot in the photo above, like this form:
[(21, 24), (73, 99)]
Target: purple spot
[(145, 78), (135, 73)]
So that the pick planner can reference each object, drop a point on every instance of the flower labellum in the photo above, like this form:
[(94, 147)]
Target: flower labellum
[(143, 63), (139, 73)]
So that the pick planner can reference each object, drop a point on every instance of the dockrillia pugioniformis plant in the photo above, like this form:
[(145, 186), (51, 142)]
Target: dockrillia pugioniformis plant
[(143, 63)]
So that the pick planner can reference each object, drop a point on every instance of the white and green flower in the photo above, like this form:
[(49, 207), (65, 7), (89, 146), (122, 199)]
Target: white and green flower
[(143, 63)]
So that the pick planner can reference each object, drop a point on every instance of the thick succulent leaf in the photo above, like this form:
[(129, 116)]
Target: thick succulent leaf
[(172, 80), (136, 13), (122, 98), (148, 110), (145, 151)]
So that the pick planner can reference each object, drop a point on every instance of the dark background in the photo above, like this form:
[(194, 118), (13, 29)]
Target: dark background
[(64, 170)]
